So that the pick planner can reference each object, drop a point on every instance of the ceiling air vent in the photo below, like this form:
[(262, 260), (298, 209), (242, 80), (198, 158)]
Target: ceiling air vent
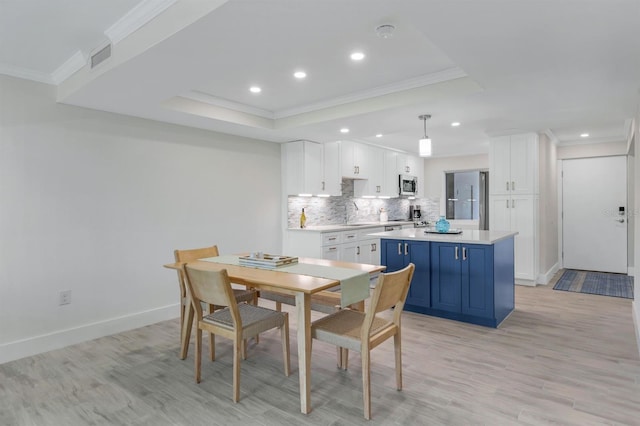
[(100, 56)]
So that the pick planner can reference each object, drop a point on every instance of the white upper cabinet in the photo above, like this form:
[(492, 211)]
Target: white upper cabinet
[(383, 179), (331, 177), (302, 165), (413, 166), (513, 163), (356, 160), (409, 165)]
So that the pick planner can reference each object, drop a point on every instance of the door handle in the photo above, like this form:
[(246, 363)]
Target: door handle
[(456, 253), (406, 249), (399, 249), (464, 253)]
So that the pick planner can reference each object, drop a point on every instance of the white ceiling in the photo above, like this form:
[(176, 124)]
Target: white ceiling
[(497, 66)]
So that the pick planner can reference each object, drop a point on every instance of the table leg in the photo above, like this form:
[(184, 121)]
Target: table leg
[(303, 308)]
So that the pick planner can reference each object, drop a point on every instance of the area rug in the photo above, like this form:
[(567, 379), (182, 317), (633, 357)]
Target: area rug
[(602, 283)]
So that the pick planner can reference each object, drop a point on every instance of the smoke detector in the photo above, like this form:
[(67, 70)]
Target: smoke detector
[(385, 31)]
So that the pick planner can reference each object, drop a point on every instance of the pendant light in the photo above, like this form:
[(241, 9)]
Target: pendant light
[(425, 143)]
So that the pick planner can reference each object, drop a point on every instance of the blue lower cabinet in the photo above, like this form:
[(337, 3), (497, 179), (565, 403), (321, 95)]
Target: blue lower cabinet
[(465, 282), (446, 277), (396, 254), (477, 280)]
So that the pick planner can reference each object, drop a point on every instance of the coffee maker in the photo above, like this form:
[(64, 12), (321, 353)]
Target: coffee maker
[(414, 213)]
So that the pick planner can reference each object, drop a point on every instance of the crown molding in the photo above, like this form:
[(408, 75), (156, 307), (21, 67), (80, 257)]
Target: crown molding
[(591, 141), (552, 137), (426, 80), (196, 95), (26, 74), (136, 18), (412, 83), (71, 65)]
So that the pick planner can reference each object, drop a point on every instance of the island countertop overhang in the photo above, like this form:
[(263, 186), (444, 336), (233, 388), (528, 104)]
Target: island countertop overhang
[(468, 236)]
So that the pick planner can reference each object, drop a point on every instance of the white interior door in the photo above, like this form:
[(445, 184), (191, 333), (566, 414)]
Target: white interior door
[(594, 221)]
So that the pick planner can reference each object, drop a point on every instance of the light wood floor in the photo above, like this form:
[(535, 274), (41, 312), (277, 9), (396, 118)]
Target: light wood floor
[(560, 358)]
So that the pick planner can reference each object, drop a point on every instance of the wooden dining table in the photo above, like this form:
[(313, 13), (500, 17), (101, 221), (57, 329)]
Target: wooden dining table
[(302, 287)]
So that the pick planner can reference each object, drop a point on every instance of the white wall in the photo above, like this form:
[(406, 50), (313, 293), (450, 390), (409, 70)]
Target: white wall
[(96, 203), (566, 152), (636, 188), (548, 210)]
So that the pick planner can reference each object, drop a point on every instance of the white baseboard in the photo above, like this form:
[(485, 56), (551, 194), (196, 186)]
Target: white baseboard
[(546, 277), (61, 338), (635, 307), (631, 271), (528, 283)]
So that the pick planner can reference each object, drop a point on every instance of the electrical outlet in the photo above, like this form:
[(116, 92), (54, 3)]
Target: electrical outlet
[(64, 297)]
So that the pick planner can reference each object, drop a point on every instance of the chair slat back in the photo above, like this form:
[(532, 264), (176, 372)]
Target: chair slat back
[(391, 290), (212, 287), (191, 255)]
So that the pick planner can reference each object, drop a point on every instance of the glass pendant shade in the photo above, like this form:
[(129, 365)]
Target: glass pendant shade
[(425, 147)]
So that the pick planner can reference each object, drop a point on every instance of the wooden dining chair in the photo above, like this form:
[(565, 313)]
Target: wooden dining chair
[(363, 331), (186, 314), (237, 322)]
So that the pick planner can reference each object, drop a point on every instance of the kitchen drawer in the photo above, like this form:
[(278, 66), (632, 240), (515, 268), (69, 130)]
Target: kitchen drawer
[(350, 236), (330, 252), (331, 238)]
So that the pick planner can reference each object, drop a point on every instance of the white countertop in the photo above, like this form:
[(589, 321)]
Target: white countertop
[(350, 227), (468, 236)]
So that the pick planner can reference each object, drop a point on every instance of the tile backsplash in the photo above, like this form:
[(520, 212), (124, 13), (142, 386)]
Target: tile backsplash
[(348, 209)]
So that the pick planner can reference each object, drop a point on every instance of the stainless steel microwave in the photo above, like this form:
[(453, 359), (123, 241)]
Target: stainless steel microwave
[(408, 185)]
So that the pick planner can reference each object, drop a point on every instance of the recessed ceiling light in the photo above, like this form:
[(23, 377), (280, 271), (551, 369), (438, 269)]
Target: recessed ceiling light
[(300, 74), (357, 56), (255, 89), (344, 130), (455, 124), (584, 135), (379, 135)]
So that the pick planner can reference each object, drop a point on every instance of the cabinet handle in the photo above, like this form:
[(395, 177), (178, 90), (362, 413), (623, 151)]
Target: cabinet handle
[(513, 204), (373, 247), (331, 238), (408, 169), (400, 249), (355, 170), (507, 186), (358, 250), (513, 186), (406, 249), (333, 248), (351, 236), (323, 185), (464, 253), (456, 253), (507, 203)]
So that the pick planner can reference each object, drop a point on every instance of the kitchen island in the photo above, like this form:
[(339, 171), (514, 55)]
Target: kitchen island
[(466, 277)]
